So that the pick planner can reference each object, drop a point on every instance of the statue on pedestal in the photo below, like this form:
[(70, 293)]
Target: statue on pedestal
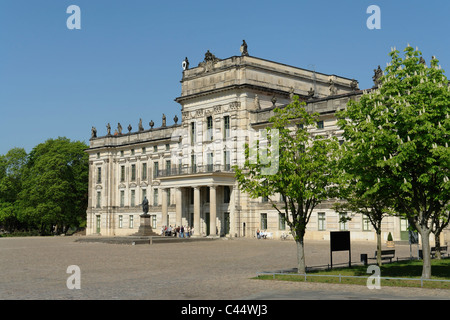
[(94, 132), (145, 205)]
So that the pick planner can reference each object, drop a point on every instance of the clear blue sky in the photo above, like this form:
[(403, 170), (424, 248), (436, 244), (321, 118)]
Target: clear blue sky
[(125, 62)]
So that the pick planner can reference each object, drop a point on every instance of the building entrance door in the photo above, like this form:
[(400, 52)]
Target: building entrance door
[(226, 223), (207, 220), (98, 224)]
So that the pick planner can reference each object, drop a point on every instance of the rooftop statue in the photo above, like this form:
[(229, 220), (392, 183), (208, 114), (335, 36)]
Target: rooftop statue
[(244, 51), (378, 73)]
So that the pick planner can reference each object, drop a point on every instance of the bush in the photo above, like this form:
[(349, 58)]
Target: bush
[(389, 238)]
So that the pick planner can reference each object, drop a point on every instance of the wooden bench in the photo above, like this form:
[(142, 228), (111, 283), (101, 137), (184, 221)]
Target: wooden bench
[(385, 254), (443, 251)]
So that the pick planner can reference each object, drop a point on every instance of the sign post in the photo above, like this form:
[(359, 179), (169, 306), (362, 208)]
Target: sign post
[(340, 241)]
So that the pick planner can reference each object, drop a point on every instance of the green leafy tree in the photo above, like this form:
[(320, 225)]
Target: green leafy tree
[(11, 175), (305, 174), (54, 194), (401, 128)]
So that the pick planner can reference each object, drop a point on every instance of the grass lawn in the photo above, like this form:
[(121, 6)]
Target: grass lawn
[(440, 270)]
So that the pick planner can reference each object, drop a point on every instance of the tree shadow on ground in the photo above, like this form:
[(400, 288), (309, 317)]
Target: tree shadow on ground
[(439, 268)]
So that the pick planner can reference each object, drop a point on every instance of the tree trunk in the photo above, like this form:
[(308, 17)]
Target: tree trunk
[(301, 265), (379, 247), (437, 241), (426, 269)]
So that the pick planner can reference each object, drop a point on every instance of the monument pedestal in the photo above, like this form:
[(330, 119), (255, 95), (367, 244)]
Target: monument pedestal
[(145, 228)]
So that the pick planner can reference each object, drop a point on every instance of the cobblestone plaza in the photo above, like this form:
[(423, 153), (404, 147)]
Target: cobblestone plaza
[(36, 268)]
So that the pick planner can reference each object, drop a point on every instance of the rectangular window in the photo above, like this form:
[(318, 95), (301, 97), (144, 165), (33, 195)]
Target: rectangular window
[(227, 160), (321, 221), (281, 222), (168, 167), (155, 169), (167, 147), (153, 221), (122, 173), (133, 172), (144, 194), (155, 148), (226, 194), (366, 223), (99, 199), (132, 152), (144, 171), (193, 164), (99, 174), (168, 197), (193, 133), (131, 221), (343, 224), (133, 198), (265, 198), (144, 150), (122, 198), (210, 161), (121, 153), (209, 128), (226, 127), (155, 197), (120, 221), (320, 124), (263, 221)]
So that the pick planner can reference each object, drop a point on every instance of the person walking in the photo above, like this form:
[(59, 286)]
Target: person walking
[(182, 232)]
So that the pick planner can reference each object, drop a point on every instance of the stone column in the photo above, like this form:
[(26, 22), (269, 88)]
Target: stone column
[(178, 206), (197, 227), (212, 210), (164, 207)]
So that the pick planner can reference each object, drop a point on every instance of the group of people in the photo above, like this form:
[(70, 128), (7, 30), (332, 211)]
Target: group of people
[(180, 231), (261, 234)]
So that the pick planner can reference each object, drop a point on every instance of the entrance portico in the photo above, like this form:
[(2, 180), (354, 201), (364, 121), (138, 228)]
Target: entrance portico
[(184, 185)]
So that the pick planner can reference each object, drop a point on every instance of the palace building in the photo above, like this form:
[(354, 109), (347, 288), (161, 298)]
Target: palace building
[(185, 169)]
